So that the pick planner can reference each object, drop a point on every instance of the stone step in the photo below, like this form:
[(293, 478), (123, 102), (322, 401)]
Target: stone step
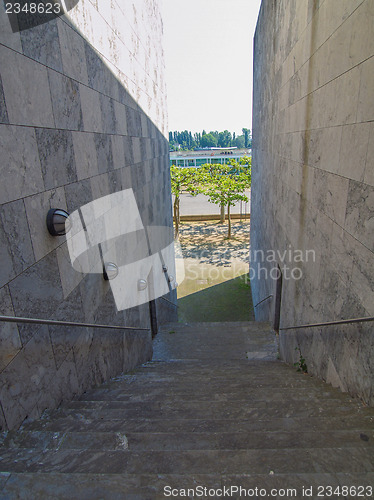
[(255, 394), (78, 486), (215, 408), (78, 423), (259, 461), (220, 326), (240, 409), (173, 441), (223, 341)]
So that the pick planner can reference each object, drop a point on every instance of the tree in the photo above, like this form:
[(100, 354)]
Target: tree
[(208, 141), (225, 184), (224, 139), (186, 140), (239, 142), (247, 135), (183, 179)]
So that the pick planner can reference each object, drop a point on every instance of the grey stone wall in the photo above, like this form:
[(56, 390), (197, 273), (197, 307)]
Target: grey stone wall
[(313, 180), (83, 115)]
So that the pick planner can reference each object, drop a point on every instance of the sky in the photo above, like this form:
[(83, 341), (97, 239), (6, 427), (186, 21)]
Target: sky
[(208, 54)]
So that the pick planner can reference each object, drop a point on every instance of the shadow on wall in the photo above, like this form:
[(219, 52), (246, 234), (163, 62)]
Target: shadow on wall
[(72, 133)]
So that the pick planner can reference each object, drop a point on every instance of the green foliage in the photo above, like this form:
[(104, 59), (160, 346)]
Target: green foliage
[(208, 141), (185, 140), (247, 135), (239, 142), (183, 179), (225, 185), (301, 363), (224, 139)]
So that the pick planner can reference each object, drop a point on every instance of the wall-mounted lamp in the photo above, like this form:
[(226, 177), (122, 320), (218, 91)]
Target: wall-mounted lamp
[(142, 285), (110, 271), (58, 222)]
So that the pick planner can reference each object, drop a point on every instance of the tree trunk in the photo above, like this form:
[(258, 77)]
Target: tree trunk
[(176, 215), (222, 219), (229, 219)]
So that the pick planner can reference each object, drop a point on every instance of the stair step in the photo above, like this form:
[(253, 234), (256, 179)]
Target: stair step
[(215, 408), (150, 486), (79, 423), (263, 461), (251, 396), (186, 441), (116, 410)]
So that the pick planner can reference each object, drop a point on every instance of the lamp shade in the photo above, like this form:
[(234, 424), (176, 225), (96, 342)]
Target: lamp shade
[(142, 284), (58, 222), (110, 271)]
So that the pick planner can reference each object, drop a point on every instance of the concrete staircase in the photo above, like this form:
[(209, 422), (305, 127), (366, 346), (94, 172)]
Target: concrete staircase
[(216, 409)]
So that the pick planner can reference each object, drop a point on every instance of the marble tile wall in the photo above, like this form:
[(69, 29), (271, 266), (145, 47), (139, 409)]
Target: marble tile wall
[(312, 178), (82, 115)]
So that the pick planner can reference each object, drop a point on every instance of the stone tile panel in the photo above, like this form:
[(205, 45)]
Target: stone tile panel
[(354, 138), (20, 167), (85, 155), (120, 118), (109, 118), (56, 157), (37, 207), (3, 111), (359, 217), (15, 241), (26, 104), (369, 168), (47, 298), (7, 37), (104, 153), (118, 151), (78, 194), (73, 53), (28, 375), (66, 103), (365, 111), (90, 102), (42, 44), (10, 342)]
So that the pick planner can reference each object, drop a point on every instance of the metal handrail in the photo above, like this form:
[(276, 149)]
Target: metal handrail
[(263, 300), (38, 321), (329, 323), (170, 302)]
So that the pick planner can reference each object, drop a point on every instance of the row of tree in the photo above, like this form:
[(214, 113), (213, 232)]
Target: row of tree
[(187, 141), (224, 185)]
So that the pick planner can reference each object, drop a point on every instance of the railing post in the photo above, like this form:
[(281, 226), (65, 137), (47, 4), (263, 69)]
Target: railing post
[(278, 300)]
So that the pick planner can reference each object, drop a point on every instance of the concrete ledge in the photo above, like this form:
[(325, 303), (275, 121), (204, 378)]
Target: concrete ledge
[(206, 217)]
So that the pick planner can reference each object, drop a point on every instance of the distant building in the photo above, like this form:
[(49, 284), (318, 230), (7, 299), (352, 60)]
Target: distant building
[(210, 155)]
